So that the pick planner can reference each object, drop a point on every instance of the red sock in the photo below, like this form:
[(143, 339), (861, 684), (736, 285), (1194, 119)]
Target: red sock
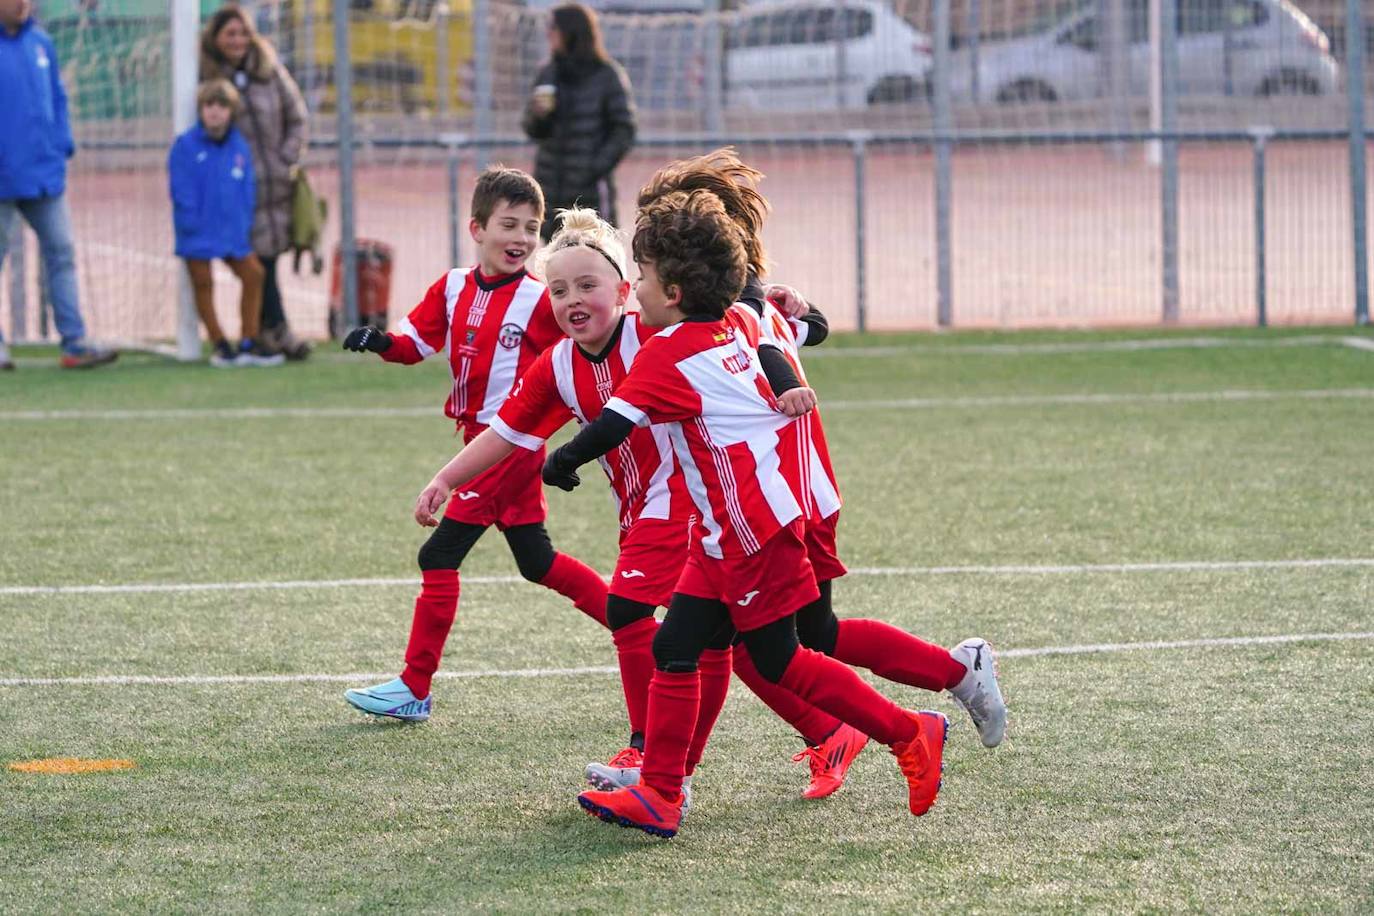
[(634, 649), (897, 655), (812, 724), (714, 668), (821, 680), (435, 608), (579, 583), (673, 703)]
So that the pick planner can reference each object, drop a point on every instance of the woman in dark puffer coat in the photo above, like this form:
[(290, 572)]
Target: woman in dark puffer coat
[(581, 116)]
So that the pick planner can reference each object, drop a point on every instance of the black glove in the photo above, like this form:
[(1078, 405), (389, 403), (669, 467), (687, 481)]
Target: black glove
[(360, 340), (557, 474)]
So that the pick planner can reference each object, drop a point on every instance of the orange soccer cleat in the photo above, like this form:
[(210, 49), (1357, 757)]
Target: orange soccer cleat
[(922, 759), (830, 760)]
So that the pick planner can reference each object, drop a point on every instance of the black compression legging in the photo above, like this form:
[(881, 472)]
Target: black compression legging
[(694, 625), (448, 546), (817, 626)]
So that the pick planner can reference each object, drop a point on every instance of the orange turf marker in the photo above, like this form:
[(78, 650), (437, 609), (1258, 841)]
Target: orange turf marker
[(64, 765)]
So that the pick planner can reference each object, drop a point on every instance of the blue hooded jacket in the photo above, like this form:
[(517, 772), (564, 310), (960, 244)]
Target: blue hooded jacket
[(35, 135), (213, 193)]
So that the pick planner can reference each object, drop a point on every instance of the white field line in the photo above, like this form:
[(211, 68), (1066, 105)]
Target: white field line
[(119, 680), (1006, 570), (1102, 346), (1061, 400), (959, 403), (1359, 343)]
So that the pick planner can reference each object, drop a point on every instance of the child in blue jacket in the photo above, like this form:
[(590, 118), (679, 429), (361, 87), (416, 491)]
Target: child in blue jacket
[(213, 191)]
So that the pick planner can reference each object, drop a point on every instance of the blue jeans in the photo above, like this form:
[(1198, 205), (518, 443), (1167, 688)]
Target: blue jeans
[(53, 225)]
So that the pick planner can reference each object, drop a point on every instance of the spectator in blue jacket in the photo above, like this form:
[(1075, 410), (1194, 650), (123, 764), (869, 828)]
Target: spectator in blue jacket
[(35, 143), (213, 188)]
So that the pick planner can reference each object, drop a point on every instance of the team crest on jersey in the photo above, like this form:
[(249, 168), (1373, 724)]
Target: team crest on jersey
[(466, 347), (511, 335)]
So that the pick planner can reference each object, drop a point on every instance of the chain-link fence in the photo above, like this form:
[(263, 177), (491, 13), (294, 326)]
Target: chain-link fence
[(968, 163)]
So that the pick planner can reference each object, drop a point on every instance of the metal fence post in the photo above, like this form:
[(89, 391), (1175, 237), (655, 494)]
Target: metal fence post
[(1261, 137), (944, 167), (343, 101), (1354, 78), (455, 227), (184, 19), (481, 78), (441, 61), (858, 141), (1168, 179), (713, 78)]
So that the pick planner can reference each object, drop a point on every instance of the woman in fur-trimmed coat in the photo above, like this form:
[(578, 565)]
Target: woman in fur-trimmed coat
[(273, 121)]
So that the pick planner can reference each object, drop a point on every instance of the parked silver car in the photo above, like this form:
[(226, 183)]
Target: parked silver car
[(1236, 47)]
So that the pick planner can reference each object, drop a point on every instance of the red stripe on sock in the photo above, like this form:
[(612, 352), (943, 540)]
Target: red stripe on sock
[(580, 584), (435, 608), (896, 655)]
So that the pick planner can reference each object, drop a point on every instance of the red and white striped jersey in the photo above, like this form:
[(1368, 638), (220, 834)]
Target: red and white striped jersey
[(820, 496), (703, 379), (565, 383), (491, 330)]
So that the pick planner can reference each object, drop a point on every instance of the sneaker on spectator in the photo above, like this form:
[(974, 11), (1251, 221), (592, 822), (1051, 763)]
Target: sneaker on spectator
[(6, 364), (84, 356), (258, 353), (224, 356)]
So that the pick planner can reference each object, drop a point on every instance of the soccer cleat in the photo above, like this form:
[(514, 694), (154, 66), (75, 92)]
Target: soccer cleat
[(636, 806), (607, 777), (830, 760), (392, 699), (979, 692), (620, 771), (922, 759)]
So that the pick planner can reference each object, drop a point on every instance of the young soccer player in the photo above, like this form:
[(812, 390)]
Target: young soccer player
[(492, 320), (210, 177), (967, 671), (747, 565)]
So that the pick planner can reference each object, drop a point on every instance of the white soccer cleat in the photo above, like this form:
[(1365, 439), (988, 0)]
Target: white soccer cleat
[(979, 692), (607, 776)]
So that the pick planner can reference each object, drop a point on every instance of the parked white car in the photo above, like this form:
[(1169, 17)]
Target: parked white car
[(1271, 47), (786, 56)]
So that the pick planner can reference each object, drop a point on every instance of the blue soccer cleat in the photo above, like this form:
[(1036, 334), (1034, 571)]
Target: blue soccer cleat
[(392, 699)]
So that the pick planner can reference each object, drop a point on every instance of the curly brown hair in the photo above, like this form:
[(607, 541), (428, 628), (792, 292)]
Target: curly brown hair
[(725, 175), (498, 183), (694, 245)]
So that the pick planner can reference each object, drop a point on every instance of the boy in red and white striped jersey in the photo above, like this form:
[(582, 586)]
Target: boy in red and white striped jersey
[(747, 565), (491, 321)]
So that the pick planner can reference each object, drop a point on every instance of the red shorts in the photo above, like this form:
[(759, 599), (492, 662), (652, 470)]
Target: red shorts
[(651, 556), (757, 589), (820, 548), (507, 494)]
